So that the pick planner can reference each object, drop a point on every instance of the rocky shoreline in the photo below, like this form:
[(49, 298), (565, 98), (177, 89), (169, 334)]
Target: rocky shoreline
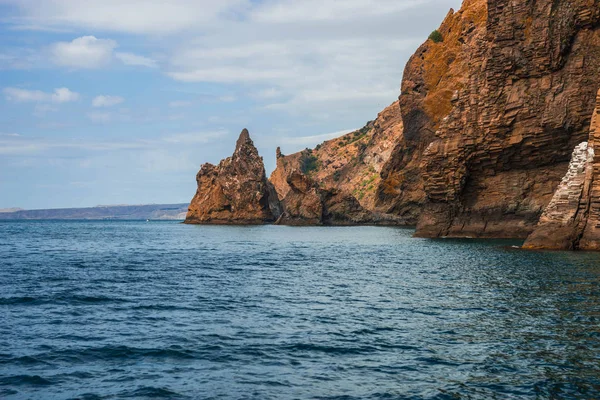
[(490, 112)]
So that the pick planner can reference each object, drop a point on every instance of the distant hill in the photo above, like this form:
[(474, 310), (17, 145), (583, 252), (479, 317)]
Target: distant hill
[(120, 212)]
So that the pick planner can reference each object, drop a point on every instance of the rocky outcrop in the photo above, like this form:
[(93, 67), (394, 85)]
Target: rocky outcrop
[(497, 147), (236, 191), (306, 203), (302, 204), (572, 219), (343, 173)]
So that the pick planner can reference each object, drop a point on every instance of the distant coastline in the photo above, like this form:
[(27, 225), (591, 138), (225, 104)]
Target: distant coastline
[(119, 212)]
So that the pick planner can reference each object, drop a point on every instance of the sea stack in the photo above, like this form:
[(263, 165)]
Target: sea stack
[(235, 192)]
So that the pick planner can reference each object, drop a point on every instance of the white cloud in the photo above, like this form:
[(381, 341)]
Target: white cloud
[(310, 140), (64, 95), (89, 52), (60, 95), (180, 104), (290, 11), (100, 117), (19, 58), (268, 93), (83, 52), (304, 56), (107, 101), (41, 110), (136, 60), (22, 146), (227, 99), (304, 75), (15, 144), (132, 16), (194, 137), (23, 95)]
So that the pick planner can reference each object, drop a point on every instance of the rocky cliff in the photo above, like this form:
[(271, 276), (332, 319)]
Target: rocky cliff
[(236, 191), (572, 219), (339, 178), (497, 107)]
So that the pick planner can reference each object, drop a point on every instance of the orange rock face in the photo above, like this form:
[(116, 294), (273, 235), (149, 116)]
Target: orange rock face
[(523, 101), (236, 191), (431, 79)]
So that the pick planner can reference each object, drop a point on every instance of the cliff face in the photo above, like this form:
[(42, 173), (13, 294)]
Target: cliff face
[(432, 77), (520, 104), (572, 219), (236, 191), (343, 173)]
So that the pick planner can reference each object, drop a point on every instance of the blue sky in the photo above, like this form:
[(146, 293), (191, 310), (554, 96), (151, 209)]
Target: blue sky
[(117, 101)]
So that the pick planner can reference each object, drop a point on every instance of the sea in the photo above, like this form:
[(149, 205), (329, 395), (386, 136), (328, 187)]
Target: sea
[(163, 310)]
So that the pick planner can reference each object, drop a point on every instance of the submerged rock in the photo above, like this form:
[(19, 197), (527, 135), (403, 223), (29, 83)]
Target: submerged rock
[(236, 191)]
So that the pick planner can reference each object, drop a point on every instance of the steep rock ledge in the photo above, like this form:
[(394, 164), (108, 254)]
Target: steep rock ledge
[(431, 79), (236, 191)]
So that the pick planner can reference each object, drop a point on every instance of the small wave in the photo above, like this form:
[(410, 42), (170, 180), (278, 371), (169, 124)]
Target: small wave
[(309, 347), (89, 396), (89, 299), (24, 360), (372, 331), (6, 301), (22, 380), (119, 353), (74, 299), (152, 392)]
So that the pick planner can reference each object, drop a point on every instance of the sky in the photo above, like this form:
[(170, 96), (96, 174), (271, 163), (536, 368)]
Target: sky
[(121, 101)]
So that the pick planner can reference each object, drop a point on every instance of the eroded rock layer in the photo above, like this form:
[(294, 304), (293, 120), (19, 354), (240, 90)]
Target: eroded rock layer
[(493, 123), (236, 191)]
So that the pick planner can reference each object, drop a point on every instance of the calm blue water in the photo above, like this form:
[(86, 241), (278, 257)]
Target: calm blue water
[(110, 310)]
